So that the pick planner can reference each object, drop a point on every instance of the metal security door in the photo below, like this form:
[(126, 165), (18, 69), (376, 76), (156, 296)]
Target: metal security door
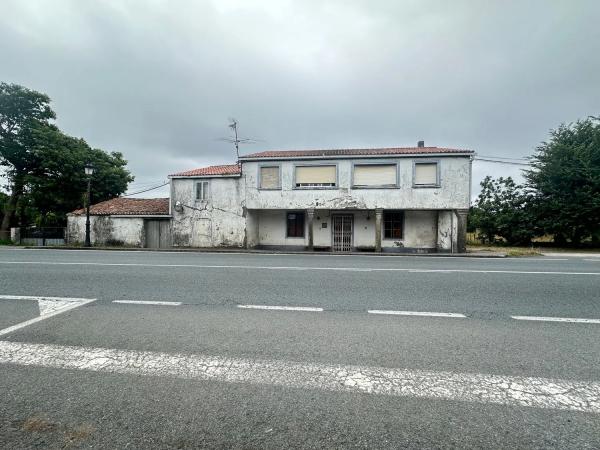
[(158, 233), (341, 232)]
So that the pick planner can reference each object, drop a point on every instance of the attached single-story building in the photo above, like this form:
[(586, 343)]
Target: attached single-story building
[(401, 199), (134, 222)]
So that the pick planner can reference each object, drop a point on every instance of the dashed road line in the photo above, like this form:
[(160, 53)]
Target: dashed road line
[(147, 302), (583, 396), (416, 313), (282, 308), (556, 319)]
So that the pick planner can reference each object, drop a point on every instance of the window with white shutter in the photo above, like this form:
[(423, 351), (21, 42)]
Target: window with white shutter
[(375, 175), (269, 177), (315, 176), (426, 174)]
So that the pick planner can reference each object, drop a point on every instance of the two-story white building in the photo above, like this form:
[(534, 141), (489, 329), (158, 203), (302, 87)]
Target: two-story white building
[(383, 199), (411, 199)]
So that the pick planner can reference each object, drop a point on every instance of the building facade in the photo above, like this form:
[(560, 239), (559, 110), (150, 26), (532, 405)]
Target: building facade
[(389, 199), (413, 199)]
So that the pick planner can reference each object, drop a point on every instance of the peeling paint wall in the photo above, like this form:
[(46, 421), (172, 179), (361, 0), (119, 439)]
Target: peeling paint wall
[(217, 222), (453, 192), (107, 230), (238, 214)]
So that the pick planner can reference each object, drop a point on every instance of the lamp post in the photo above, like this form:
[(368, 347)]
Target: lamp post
[(89, 171)]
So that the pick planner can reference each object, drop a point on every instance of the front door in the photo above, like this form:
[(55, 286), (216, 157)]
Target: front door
[(341, 229), (158, 233)]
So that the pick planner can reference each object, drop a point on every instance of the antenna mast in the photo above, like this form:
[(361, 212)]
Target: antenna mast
[(236, 141)]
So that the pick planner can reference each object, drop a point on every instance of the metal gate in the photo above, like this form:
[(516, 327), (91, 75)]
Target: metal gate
[(158, 233), (341, 230)]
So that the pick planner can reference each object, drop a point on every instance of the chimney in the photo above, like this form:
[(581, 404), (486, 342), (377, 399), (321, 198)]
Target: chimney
[(421, 144)]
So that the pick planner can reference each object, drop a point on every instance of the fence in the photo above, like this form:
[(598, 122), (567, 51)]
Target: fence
[(42, 237)]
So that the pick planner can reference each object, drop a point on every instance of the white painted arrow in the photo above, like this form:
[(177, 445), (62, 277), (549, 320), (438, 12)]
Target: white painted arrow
[(48, 306)]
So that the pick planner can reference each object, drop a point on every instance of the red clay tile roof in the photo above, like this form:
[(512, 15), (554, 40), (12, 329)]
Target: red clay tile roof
[(123, 206), (229, 169), (354, 152)]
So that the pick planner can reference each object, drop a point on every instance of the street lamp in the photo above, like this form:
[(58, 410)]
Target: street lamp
[(89, 171)]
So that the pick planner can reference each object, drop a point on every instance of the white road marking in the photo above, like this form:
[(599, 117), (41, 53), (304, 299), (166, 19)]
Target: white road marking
[(593, 260), (37, 298), (282, 308), (416, 313), (49, 307), (147, 302), (535, 392), (301, 268), (556, 319)]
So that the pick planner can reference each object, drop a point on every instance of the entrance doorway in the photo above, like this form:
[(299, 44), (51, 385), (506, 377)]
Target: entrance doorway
[(341, 229), (158, 233)]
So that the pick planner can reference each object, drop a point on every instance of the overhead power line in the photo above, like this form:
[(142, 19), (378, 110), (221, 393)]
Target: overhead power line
[(513, 163), (146, 190)]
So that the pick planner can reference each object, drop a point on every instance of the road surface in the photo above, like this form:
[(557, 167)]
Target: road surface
[(186, 350)]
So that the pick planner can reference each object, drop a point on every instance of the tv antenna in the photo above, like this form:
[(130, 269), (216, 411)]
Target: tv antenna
[(235, 139)]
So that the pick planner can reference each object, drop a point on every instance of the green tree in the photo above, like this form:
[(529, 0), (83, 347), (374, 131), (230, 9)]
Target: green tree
[(45, 166), (58, 183), (565, 177), (20, 109), (504, 209)]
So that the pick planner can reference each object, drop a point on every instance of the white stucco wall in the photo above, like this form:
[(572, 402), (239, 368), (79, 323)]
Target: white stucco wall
[(420, 230), (453, 192), (238, 214), (219, 221), (107, 230)]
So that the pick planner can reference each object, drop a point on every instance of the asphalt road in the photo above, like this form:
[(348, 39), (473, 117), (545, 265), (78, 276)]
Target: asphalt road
[(199, 371)]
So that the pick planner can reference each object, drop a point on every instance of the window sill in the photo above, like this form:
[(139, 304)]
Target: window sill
[(426, 186), (313, 188), (384, 186), (269, 189)]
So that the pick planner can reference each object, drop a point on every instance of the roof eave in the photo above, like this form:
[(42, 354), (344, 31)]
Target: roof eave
[(236, 175), (466, 153)]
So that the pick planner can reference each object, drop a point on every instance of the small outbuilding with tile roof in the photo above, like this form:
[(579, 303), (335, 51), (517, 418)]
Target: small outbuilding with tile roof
[(123, 221)]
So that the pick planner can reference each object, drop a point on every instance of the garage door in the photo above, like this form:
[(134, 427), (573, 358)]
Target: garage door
[(158, 233)]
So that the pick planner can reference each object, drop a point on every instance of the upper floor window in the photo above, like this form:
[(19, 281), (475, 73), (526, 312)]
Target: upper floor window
[(202, 190), (315, 176), (426, 174), (375, 175), (269, 177)]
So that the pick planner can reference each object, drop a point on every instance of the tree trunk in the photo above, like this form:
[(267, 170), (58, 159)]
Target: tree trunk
[(11, 206)]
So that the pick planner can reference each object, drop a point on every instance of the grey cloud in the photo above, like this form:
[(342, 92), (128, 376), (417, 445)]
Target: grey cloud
[(158, 80)]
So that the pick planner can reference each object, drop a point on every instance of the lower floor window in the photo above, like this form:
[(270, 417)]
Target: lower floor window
[(295, 224), (392, 224)]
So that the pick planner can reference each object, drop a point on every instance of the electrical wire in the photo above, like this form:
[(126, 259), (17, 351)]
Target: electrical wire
[(146, 190)]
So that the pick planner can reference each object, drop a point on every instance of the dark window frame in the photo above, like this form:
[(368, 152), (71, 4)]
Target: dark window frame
[(393, 221), (299, 224)]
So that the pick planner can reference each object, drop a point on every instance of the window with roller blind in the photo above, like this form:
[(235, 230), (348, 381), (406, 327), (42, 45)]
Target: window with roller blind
[(426, 174), (375, 175), (269, 177), (315, 176)]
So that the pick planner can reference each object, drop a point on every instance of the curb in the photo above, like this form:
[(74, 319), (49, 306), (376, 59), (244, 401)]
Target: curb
[(273, 252)]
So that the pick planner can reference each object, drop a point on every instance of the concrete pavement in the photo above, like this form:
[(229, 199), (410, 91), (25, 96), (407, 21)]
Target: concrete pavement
[(457, 362)]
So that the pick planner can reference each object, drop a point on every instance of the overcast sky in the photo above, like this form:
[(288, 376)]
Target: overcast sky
[(157, 80)]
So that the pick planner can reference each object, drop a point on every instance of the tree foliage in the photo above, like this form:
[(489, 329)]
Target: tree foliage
[(45, 167), (504, 210), (565, 178)]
